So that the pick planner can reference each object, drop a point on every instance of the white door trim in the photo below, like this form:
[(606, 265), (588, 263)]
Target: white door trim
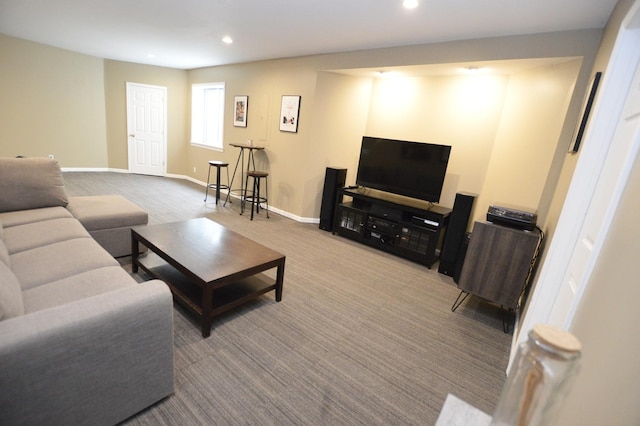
[(616, 84), (131, 132)]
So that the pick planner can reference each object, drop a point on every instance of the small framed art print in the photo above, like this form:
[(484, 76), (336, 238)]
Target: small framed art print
[(240, 109), (289, 113)]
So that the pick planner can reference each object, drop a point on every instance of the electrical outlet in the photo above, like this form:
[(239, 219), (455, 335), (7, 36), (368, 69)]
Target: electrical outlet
[(194, 169), (51, 156)]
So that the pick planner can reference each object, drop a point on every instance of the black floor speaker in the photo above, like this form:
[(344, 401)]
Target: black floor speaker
[(334, 179), (458, 222), (461, 254)]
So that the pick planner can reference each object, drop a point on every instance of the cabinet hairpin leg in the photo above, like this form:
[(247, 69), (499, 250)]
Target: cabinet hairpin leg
[(459, 301), (505, 319)]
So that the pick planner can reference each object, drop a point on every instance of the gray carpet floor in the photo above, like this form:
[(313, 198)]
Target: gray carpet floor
[(361, 337)]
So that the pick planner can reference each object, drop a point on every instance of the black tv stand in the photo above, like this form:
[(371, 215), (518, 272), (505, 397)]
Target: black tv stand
[(407, 227)]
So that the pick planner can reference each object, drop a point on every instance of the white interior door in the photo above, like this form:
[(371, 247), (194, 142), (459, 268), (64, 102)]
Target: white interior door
[(146, 128)]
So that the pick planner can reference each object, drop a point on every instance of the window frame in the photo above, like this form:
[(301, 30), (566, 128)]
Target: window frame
[(199, 109)]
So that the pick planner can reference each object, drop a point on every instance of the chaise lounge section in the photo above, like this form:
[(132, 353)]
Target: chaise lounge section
[(81, 342)]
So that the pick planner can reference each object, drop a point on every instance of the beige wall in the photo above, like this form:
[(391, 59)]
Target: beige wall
[(439, 110), (116, 75), (528, 133), (462, 111), (285, 153), (341, 108), (336, 110), (502, 147), (51, 102)]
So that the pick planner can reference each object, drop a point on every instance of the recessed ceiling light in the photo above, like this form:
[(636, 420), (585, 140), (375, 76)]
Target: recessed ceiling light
[(227, 40), (410, 4), (386, 74), (472, 70)]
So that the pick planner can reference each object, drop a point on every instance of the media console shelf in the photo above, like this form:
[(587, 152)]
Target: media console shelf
[(406, 227)]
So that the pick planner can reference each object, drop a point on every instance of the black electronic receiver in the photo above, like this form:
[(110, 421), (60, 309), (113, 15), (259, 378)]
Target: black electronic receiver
[(512, 217)]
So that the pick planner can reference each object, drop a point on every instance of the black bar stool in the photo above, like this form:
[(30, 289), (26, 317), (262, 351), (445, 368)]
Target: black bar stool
[(255, 198), (217, 185)]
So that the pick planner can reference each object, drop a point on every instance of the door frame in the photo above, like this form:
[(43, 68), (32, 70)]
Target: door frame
[(129, 87), (546, 304)]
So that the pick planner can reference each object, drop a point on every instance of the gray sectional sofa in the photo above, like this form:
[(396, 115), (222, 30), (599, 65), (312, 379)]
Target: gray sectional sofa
[(81, 342)]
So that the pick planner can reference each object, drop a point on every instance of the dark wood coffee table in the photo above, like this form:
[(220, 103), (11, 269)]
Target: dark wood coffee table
[(209, 268)]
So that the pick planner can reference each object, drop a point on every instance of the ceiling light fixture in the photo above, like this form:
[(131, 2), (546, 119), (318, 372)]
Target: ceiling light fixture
[(472, 70), (227, 40), (410, 4), (386, 74)]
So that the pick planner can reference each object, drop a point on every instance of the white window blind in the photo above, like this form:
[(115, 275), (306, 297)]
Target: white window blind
[(207, 115)]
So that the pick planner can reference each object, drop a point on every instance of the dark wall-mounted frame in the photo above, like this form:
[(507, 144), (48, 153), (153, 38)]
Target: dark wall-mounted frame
[(584, 115)]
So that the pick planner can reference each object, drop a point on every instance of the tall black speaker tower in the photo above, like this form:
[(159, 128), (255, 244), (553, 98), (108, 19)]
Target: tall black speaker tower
[(458, 222), (333, 180)]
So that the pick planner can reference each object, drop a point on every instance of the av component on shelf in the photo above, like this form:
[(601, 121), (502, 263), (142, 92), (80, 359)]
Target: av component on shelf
[(387, 212), (383, 238), (382, 225), (417, 220), (512, 217)]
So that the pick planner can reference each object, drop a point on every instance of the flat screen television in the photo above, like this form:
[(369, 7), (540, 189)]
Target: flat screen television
[(412, 169)]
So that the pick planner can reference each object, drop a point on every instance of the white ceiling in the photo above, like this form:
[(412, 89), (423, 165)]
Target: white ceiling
[(188, 34)]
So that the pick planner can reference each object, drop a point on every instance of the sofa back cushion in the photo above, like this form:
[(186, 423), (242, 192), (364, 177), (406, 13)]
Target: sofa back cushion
[(11, 302), (30, 183)]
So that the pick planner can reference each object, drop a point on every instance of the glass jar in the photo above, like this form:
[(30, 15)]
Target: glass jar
[(540, 376)]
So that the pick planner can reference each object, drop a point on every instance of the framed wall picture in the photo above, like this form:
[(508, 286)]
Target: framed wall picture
[(240, 108), (289, 113), (581, 126)]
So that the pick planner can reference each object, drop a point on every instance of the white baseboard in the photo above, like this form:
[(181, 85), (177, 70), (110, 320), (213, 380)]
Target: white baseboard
[(274, 209), (92, 169), (197, 182)]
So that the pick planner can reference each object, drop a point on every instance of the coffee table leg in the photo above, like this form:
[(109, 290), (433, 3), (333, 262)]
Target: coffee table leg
[(279, 281), (134, 253), (207, 307)]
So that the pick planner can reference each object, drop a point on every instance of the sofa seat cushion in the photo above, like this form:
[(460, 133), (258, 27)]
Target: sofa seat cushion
[(76, 287), (11, 301), (30, 183), (31, 235), (106, 212), (22, 217), (57, 261)]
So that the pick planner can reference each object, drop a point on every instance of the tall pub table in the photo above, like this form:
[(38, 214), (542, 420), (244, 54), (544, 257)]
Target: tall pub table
[(251, 162)]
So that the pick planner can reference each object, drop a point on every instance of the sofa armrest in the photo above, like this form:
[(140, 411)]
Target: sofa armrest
[(94, 361)]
